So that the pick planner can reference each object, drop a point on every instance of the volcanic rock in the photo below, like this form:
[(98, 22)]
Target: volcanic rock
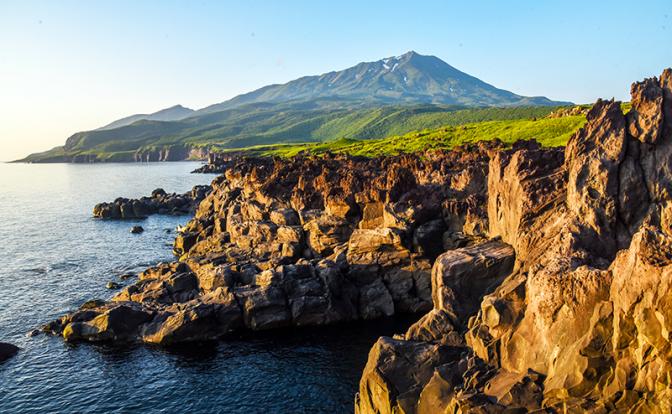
[(159, 202), (301, 242), (581, 322)]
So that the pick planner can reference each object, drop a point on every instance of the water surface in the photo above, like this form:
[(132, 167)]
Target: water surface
[(55, 256)]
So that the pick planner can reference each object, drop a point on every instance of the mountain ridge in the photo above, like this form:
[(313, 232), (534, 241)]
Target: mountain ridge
[(173, 113), (407, 77)]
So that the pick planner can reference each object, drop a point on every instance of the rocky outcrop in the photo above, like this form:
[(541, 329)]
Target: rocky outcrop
[(581, 323), (305, 241), (218, 163), (159, 202), (569, 111), (7, 351)]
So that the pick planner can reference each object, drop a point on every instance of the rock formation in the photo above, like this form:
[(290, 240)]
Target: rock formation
[(159, 202), (218, 163), (581, 321), (544, 274), (298, 242)]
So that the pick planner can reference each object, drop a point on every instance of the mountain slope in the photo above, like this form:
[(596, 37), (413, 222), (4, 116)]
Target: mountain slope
[(174, 113), (265, 124), (411, 77)]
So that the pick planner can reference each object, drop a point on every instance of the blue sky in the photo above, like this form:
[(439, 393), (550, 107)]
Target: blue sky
[(67, 66)]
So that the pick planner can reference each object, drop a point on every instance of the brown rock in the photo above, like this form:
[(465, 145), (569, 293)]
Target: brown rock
[(645, 119)]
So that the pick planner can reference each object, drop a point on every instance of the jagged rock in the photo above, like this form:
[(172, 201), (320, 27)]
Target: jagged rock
[(645, 120), (523, 182), (582, 322), (386, 386), (460, 278), (116, 322), (304, 241), (212, 317)]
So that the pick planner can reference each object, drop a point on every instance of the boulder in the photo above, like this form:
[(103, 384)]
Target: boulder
[(120, 322), (159, 202), (210, 318), (396, 373), (7, 351)]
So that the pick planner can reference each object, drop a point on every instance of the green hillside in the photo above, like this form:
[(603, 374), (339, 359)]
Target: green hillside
[(269, 124), (548, 131), (391, 96)]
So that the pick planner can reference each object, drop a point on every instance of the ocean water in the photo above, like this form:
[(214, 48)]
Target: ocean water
[(55, 256)]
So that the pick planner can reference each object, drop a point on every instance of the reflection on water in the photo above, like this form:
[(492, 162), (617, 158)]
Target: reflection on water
[(55, 257)]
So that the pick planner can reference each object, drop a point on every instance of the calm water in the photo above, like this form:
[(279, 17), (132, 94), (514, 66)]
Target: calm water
[(54, 257)]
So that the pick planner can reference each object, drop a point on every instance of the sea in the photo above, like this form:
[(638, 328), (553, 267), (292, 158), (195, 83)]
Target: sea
[(54, 256)]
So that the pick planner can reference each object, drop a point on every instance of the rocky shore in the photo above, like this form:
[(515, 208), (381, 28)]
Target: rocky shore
[(218, 163), (542, 277), (581, 321), (306, 241), (159, 202)]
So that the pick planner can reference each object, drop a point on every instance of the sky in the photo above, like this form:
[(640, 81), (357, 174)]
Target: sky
[(68, 66)]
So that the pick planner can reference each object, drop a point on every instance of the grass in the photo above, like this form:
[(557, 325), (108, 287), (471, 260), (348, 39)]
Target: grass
[(255, 125), (549, 132)]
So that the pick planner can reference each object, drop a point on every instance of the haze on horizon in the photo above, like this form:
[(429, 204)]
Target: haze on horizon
[(73, 66)]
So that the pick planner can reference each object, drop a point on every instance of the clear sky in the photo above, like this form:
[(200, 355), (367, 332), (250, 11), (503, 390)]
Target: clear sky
[(67, 66)]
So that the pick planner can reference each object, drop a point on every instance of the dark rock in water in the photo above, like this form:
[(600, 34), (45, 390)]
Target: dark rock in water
[(127, 276), (159, 192), (33, 333), (7, 351), (113, 285), (159, 202), (137, 229)]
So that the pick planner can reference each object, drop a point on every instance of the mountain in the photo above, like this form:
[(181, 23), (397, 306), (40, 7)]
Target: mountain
[(371, 99), (409, 78), (174, 113)]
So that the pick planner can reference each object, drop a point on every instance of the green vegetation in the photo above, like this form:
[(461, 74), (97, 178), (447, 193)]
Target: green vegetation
[(266, 124), (549, 132)]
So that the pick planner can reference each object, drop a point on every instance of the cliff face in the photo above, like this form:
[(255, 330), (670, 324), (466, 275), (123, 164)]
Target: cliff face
[(581, 321), (176, 152), (306, 241), (171, 152)]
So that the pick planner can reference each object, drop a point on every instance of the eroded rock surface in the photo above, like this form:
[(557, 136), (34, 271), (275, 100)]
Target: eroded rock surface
[(159, 202), (305, 241), (582, 321)]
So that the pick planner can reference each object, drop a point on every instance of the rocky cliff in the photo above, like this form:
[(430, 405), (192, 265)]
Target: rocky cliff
[(544, 276), (581, 321)]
